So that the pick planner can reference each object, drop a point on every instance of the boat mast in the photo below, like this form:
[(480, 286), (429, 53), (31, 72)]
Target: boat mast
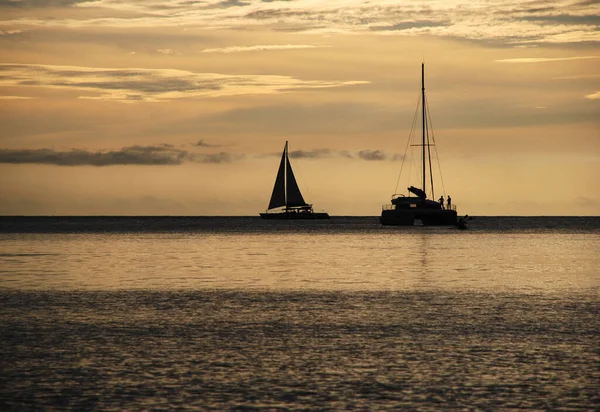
[(285, 150), (423, 125)]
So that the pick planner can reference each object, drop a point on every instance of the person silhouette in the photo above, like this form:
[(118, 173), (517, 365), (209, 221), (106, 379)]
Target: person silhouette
[(442, 201), (449, 202)]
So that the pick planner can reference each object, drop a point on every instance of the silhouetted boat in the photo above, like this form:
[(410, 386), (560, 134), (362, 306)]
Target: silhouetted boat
[(287, 201), (405, 210)]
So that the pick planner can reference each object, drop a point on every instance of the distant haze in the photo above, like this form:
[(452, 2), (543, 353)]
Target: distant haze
[(183, 108)]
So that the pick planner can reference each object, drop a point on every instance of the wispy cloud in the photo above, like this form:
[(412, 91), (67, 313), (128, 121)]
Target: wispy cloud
[(505, 21), (9, 32), (167, 154), (310, 154), (152, 85), (40, 3), (544, 59), (159, 155), (410, 24), (372, 155), (264, 47), (366, 154), (593, 96), (165, 51), (202, 143), (16, 98)]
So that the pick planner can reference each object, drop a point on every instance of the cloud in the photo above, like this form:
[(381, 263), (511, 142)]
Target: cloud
[(587, 3), (593, 96), (310, 154), (265, 47), (499, 21), (29, 4), (366, 154), (151, 85), (10, 32), (406, 25), (159, 155), (220, 157), (543, 59), (202, 143), (593, 20), (16, 98), (372, 155), (166, 154)]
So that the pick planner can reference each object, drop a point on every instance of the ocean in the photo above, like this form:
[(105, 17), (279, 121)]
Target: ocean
[(238, 313)]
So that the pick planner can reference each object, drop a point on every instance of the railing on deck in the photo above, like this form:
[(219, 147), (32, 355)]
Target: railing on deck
[(452, 207), (393, 207)]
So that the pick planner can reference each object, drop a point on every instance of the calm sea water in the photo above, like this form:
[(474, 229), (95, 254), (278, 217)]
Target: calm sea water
[(238, 313)]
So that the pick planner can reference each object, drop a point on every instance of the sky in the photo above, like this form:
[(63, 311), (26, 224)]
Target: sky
[(127, 107)]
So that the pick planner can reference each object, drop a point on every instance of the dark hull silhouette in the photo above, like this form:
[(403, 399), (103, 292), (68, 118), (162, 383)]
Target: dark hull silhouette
[(295, 215), (429, 217)]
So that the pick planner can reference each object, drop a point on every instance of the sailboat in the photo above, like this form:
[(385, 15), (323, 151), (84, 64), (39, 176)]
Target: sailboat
[(287, 201), (415, 208)]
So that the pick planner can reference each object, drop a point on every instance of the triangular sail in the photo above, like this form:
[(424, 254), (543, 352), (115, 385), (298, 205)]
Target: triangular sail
[(294, 197), (278, 196)]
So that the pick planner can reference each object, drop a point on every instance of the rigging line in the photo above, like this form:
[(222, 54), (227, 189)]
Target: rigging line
[(437, 156), (415, 166), (412, 165), (412, 128), (429, 151)]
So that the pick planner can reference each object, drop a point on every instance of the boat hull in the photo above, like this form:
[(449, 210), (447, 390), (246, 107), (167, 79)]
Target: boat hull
[(429, 217), (295, 215)]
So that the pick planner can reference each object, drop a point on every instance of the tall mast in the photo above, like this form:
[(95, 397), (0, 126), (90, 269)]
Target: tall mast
[(285, 150), (423, 125)]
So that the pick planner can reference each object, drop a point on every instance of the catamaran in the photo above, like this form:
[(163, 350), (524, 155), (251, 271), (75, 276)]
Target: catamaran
[(286, 200), (415, 208)]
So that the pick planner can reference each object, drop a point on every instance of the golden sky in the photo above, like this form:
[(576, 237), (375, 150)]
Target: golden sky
[(127, 107)]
